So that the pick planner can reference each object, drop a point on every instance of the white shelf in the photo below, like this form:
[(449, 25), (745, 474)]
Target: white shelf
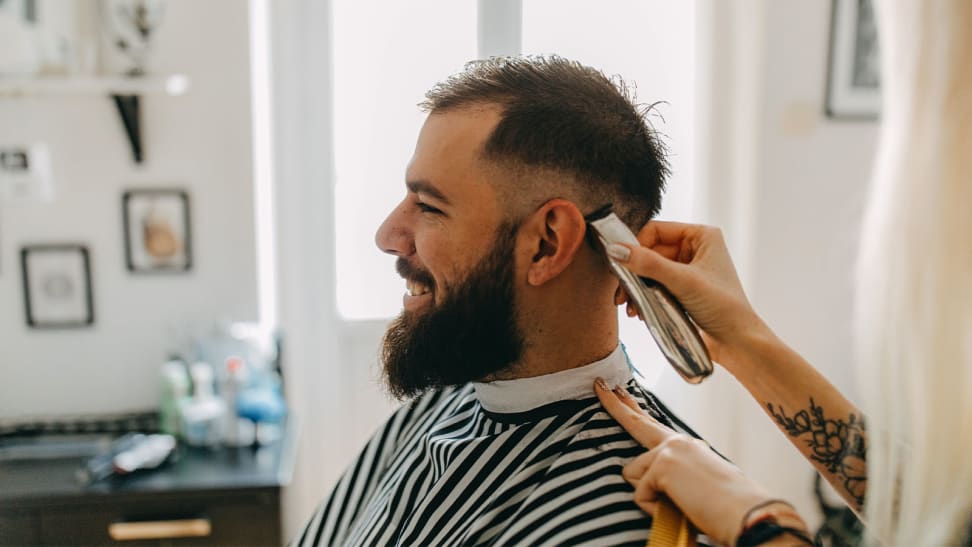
[(173, 84), (125, 92)]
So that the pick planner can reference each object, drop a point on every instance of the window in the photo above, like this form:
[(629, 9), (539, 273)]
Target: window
[(386, 55)]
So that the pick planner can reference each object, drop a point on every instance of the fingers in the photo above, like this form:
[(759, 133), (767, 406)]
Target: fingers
[(650, 472), (677, 241), (637, 474), (674, 275), (648, 507), (640, 425), (671, 252), (646, 493), (636, 468), (647, 472), (622, 393), (620, 297), (660, 232)]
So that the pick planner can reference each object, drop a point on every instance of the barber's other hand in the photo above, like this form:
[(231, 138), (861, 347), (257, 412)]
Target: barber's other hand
[(692, 262), (712, 493)]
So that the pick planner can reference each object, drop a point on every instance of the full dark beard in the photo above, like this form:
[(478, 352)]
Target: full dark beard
[(471, 335)]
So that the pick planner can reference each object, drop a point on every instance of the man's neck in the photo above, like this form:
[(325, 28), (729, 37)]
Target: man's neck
[(556, 359), (568, 322), (562, 339)]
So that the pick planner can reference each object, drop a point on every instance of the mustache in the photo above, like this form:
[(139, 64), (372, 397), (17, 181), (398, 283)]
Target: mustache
[(414, 273)]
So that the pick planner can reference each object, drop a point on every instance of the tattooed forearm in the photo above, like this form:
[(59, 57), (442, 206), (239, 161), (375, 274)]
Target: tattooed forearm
[(838, 445)]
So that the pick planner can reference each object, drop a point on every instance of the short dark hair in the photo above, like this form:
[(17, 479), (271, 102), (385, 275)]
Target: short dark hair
[(561, 116)]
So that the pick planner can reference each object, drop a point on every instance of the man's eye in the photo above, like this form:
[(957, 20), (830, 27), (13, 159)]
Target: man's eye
[(426, 208)]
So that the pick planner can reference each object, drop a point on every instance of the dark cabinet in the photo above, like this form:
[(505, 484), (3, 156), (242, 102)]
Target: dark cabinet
[(241, 518), (203, 497), (19, 527)]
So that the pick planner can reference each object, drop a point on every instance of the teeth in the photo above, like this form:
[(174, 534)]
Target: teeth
[(415, 288)]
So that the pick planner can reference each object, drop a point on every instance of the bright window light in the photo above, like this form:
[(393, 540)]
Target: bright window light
[(263, 161), (386, 55)]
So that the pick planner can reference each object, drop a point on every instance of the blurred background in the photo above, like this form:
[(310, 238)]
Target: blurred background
[(200, 182)]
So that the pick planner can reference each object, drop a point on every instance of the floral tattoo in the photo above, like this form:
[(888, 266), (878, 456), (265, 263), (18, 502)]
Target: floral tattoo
[(840, 446)]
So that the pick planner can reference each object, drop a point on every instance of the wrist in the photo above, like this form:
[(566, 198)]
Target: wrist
[(772, 522), (753, 347)]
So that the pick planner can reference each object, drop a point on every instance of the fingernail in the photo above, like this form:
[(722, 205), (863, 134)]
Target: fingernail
[(618, 252), (602, 384), (622, 392)]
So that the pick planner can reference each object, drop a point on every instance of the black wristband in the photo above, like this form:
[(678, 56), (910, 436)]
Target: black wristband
[(761, 532), (761, 505)]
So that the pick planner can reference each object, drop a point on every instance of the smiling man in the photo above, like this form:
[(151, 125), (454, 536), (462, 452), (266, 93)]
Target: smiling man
[(508, 320)]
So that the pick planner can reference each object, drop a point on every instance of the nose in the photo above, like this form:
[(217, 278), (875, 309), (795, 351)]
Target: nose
[(394, 236)]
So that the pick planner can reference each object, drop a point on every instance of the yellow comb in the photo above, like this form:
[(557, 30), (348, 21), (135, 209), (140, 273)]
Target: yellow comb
[(670, 527)]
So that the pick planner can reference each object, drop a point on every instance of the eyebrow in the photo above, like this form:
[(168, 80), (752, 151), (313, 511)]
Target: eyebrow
[(425, 187)]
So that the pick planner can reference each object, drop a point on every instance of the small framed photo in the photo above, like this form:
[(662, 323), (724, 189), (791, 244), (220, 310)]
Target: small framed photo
[(25, 173), (157, 234), (854, 74), (14, 160), (57, 286)]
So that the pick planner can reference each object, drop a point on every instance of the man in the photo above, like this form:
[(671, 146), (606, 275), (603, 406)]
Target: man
[(508, 320)]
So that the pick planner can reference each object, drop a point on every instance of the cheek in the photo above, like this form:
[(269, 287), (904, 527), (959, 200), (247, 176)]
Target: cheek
[(437, 256)]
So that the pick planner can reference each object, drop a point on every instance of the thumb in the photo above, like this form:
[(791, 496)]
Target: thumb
[(675, 276)]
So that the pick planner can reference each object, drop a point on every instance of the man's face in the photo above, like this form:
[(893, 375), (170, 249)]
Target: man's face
[(457, 256)]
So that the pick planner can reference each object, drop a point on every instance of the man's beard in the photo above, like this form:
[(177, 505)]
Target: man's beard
[(470, 335)]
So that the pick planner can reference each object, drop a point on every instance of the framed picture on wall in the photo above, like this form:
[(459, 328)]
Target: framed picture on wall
[(157, 233), (854, 76), (25, 173), (57, 286)]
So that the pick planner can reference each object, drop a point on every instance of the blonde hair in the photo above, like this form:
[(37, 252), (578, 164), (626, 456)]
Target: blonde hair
[(914, 279)]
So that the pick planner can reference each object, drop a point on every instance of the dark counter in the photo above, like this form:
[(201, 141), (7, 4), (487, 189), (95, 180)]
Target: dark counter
[(235, 490)]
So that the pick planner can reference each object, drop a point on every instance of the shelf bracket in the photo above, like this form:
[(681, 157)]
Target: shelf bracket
[(128, 109)]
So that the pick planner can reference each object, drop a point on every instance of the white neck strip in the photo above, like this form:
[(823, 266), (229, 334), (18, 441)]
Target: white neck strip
[(523, 394)]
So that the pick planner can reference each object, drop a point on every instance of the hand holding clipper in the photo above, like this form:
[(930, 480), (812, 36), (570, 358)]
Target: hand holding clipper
[(667, 322)]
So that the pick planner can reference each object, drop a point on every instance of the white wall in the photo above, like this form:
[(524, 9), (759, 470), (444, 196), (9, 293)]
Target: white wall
[(787, 185), (200, 141)]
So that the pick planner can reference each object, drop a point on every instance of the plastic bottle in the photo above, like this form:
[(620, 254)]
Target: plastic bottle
[(175, 393), (202, 417), (233, 380)]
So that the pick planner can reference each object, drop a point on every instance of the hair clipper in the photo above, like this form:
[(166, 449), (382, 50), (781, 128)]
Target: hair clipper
[(667, 322)]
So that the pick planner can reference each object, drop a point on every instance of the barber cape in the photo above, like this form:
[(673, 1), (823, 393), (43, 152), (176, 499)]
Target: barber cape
[(532, 461)]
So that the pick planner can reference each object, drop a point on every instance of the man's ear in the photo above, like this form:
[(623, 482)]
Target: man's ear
[(556, 232)]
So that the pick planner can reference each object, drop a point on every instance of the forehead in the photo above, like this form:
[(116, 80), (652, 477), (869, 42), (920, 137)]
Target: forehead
[(447, 153)]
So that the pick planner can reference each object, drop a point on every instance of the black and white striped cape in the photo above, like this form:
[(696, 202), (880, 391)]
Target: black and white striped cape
[(444, 471)]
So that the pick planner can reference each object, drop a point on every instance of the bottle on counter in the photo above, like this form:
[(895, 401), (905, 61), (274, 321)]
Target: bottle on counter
[(237, 431), (175, 394), (202, 416)]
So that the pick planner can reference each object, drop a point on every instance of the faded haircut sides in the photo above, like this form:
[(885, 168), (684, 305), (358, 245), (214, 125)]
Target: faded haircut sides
[(563, 118)]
